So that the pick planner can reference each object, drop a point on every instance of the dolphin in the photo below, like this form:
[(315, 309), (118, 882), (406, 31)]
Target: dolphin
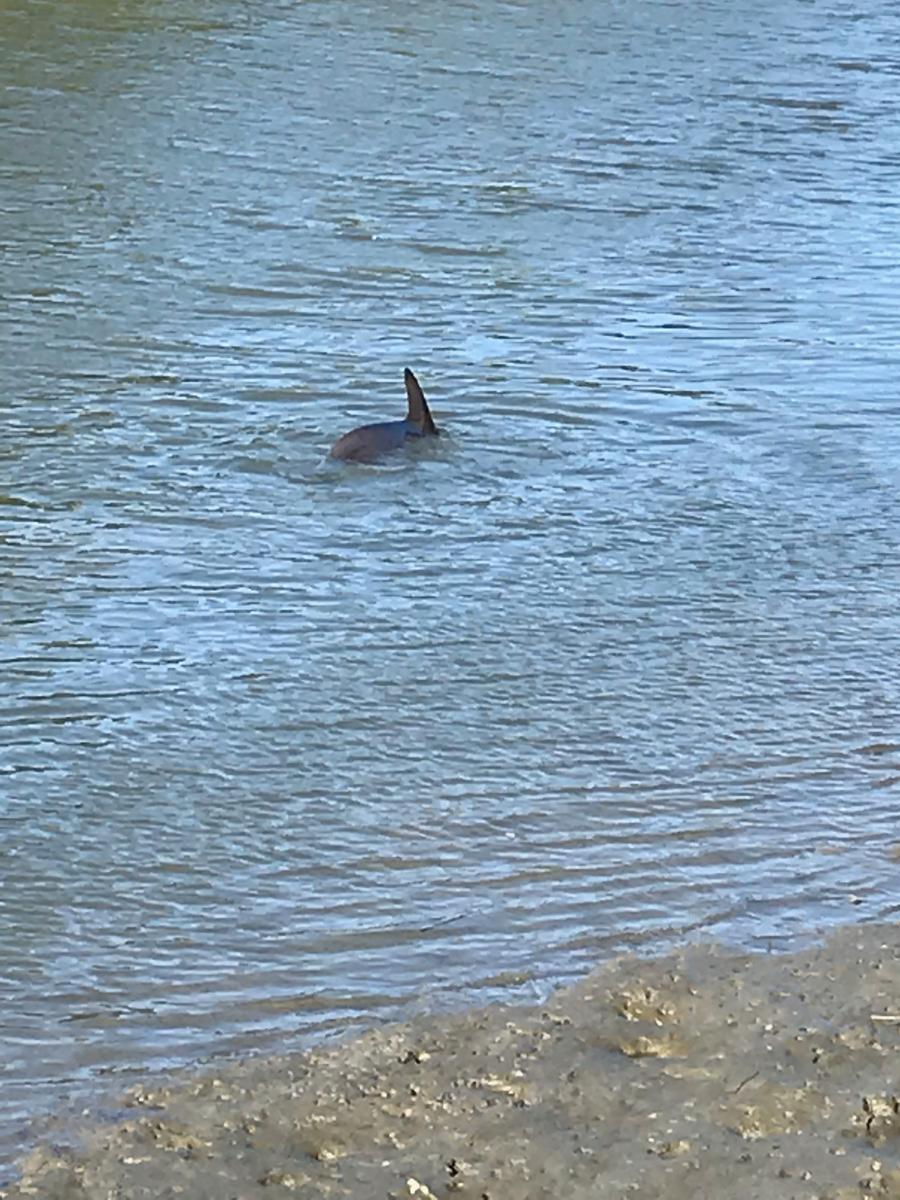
[(369, 442)]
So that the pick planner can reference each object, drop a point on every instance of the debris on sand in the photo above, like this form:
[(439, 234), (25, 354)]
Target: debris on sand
[(702, 1073)]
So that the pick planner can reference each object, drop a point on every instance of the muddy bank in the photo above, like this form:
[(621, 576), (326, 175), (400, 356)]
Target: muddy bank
[(702, 1074)]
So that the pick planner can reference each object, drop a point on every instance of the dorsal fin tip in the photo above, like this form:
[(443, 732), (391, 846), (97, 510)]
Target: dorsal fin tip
[(417, 409)]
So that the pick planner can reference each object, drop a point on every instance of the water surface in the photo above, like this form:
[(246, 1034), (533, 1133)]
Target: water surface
[(289, 747)]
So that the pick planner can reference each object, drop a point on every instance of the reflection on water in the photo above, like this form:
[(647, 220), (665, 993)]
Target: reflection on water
[(288, 746)]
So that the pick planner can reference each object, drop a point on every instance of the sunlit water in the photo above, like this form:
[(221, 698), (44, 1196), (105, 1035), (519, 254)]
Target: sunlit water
[(290, 746)]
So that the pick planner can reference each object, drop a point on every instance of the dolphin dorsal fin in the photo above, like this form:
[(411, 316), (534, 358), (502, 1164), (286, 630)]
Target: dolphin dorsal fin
[(417, 410)]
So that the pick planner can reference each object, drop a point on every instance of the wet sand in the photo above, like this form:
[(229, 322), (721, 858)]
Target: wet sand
[(704, 1073)]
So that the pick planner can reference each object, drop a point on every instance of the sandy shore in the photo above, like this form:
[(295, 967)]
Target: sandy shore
[(701, 1074)]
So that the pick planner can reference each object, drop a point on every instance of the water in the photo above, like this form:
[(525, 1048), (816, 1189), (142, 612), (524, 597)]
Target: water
[(290, 747)]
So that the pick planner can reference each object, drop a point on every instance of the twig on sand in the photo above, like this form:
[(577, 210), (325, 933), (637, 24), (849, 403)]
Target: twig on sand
[(884, 1016), (734, 1091)]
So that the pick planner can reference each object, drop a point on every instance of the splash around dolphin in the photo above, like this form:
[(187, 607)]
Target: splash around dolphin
[(369, 442)]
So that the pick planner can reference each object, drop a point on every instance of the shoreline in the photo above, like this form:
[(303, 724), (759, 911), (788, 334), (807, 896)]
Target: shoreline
[(704, 1072)]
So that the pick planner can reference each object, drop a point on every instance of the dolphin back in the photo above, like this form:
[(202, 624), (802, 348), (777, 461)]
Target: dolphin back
[(369, 442)]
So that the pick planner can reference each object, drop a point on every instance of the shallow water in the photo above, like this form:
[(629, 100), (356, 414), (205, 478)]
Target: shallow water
[(290, 746)]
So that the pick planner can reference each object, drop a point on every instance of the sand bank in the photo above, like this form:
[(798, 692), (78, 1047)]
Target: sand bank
[(705, 1073)]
